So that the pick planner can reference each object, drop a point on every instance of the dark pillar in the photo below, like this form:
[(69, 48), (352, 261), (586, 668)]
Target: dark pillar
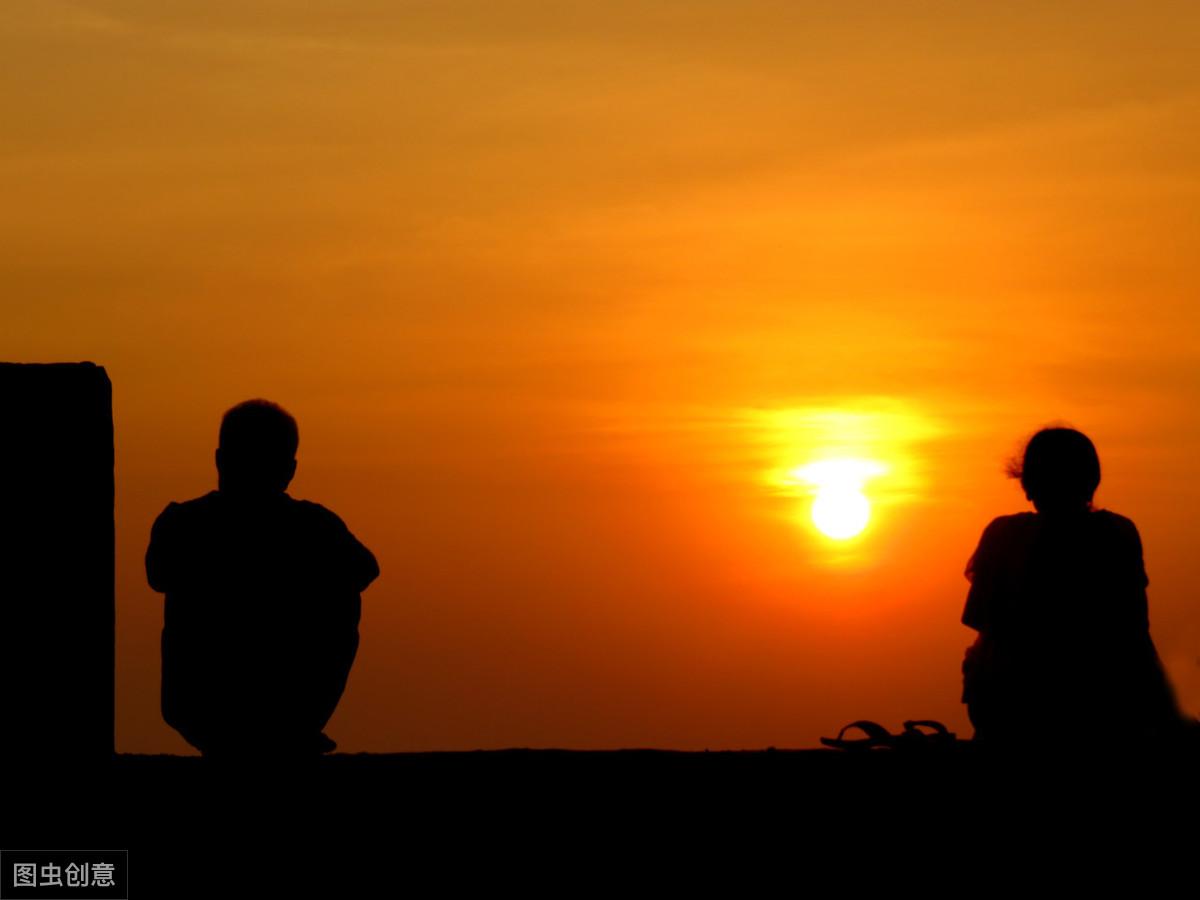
[(57, 611)]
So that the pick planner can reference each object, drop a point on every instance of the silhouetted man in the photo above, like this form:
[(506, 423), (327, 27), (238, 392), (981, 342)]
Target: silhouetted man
[(262, 599)]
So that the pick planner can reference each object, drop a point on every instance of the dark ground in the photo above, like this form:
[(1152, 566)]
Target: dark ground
[(561, 820)]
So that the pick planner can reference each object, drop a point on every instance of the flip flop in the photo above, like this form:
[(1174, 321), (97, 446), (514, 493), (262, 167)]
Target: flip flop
[(876, 737), (913, 737)]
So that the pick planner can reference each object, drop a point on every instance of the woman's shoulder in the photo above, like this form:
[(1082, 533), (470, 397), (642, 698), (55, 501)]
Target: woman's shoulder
[(1002, 537), (1117, 524), (1003, 526), (1015, 520), (1022, 521), (1113, 518)]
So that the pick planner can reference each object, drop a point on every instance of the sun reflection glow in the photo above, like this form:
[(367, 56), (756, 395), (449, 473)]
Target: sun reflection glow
[(862, 459)]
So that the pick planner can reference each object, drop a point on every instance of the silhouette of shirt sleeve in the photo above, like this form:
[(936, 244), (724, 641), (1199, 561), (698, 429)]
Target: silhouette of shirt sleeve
[(354, 565), (161, 555), (982, 571), (1139, 581)]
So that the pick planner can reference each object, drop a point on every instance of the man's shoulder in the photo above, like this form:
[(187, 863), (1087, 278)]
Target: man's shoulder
[(177, 509), (315, 513), (204, 501)]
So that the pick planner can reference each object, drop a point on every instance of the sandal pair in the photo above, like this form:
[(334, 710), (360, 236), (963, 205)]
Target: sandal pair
[(917, 734)]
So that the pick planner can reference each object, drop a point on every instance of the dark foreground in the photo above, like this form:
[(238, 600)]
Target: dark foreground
[(532, 818)]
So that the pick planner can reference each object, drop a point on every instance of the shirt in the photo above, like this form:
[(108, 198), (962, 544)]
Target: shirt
[(1060, 605), (1037, 575), (261, 613)]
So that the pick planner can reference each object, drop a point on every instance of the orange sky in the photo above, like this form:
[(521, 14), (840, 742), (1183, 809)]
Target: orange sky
[(556, 292)]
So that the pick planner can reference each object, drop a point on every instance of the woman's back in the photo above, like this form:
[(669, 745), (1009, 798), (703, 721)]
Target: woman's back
[(1037, 578), (1059, 600)]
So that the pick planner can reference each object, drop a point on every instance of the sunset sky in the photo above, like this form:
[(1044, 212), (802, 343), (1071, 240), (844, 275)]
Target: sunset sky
[(563, 295)]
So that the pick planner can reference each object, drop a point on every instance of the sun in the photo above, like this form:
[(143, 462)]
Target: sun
[(840, 512), (840, 508)]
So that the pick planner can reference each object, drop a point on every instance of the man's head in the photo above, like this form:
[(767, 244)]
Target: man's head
[(257, 448)]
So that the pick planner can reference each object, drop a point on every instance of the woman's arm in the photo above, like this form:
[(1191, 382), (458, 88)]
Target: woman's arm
[(1141, 607), (983, 572)]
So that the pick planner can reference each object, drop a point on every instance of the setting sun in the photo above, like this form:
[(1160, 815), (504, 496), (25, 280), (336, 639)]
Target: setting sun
[(840, 509), (841, 513)]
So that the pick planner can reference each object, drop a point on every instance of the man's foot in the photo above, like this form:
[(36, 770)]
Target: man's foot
[(250, 748)]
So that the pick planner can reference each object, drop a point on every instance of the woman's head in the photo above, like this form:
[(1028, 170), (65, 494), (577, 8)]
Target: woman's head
[(1060, 469)]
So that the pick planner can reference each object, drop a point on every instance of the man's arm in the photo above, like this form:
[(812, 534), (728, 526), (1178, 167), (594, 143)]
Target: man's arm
[(353, 564), (161, 567), (351, 567), (360, 564), (363, 565)]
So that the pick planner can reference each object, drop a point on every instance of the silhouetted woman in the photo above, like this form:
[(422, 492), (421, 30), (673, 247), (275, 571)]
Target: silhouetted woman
[(1059, 600)]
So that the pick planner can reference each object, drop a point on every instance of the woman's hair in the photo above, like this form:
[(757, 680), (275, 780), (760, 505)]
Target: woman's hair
[(1060, 467)]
